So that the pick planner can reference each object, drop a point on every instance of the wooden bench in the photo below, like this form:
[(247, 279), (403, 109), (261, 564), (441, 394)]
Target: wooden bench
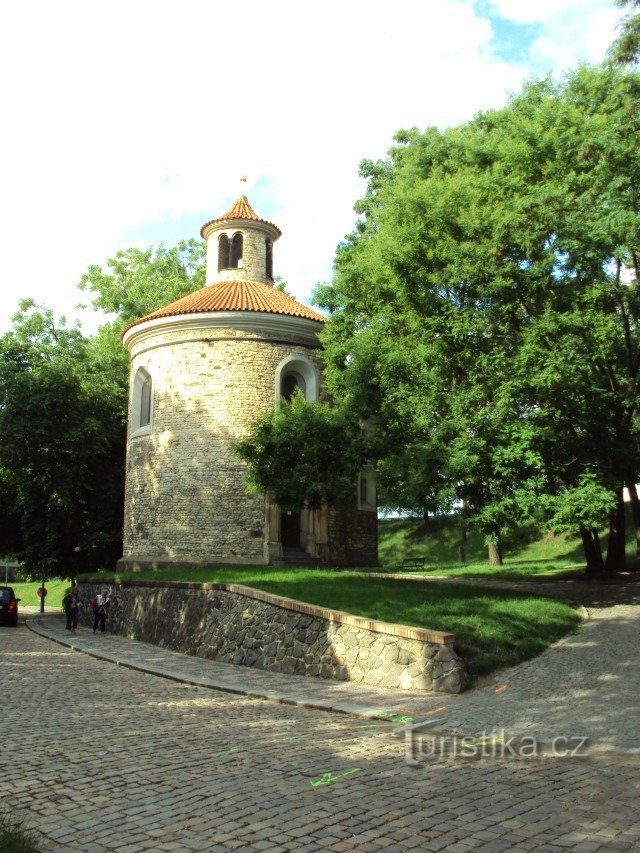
[(412, 563)]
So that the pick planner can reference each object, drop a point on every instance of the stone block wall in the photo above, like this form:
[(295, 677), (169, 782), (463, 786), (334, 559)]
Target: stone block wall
[(240, 625), (353, 537), (185, 495)]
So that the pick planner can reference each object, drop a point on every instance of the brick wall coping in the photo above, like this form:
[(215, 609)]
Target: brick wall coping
[(338, 616)]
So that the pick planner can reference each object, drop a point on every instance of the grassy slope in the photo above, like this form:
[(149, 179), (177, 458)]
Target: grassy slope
[(529, 553), (26, 592), (492, 629)]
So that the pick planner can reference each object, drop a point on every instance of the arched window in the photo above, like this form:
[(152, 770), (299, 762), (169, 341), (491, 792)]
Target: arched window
[(142, 403), (289, 382), (223, 252), (145, 402), (236, 251), (296, 371), (268, 246)]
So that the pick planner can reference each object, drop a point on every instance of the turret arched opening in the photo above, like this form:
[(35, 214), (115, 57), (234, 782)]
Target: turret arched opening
[(268, 260), (223, 252), (235, 259)]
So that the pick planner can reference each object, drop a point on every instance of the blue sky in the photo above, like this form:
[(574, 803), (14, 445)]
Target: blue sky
[(510, 40), (131, 123)]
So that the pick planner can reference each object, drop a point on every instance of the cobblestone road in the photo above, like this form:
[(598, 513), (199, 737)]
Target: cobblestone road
[(106, 758)]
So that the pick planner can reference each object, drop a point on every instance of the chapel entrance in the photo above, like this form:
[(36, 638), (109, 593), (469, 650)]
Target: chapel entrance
[(290, 529)]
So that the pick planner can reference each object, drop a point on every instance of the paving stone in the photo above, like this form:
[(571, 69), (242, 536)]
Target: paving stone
[(188, 767)]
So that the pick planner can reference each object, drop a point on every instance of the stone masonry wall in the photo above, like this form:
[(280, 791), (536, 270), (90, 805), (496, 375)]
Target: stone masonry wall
[(185, 496), (244, 626), (253, 256), (353, 537)]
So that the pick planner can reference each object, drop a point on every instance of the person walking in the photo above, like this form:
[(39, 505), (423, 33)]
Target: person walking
[(101, 604), (71, 604)]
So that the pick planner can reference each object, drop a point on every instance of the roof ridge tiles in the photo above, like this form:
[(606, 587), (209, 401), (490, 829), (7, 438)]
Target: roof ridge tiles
[(239, 210), (249, 296)]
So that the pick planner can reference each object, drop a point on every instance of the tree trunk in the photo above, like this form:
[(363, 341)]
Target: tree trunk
[(495, 553), (592, 551), (616, 556), (462, 552), (635, 514), (425, 520), (598, 544)]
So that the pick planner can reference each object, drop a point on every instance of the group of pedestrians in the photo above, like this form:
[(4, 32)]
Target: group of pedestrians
[(99, 605)]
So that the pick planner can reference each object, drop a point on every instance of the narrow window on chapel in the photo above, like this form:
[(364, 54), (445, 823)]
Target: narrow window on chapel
[(145, 402), (236, 251), (223, 252), (269, 257)]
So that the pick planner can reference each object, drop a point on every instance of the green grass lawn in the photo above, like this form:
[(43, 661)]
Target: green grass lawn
[(493, 629), (529, 553), (26, 592)]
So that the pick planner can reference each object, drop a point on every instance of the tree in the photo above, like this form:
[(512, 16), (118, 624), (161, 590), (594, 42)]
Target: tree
[(486, 307), (304, 454), (62, 439), (138, 282), (626, 48)]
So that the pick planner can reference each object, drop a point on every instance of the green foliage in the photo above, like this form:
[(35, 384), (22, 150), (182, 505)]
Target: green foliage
[(485, 312), (62, 438), (626, 48), (529, 551), (303, 454), (137, 282)]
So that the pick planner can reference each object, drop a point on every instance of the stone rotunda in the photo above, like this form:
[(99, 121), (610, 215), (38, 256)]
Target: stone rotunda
[(202, 369)]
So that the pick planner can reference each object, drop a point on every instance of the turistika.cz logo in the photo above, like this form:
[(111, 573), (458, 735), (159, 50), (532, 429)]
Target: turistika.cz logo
[(421, 746)]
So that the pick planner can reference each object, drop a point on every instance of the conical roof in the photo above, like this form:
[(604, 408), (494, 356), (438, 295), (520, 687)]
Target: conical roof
[(240, 209), (250, 296)]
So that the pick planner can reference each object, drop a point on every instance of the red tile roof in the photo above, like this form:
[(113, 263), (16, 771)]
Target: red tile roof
[(240, 209), (250, 296)]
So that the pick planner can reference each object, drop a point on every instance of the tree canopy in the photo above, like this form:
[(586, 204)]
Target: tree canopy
[(626, 48), (304, 453), (485, 311), (62, 441), (137, 282), (63, 400)]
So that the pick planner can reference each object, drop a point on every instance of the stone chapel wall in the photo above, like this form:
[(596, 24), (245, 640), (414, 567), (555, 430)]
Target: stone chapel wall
[(185, 496)]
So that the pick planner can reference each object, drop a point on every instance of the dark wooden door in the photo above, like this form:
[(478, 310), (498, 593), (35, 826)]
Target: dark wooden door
[(290, 529)]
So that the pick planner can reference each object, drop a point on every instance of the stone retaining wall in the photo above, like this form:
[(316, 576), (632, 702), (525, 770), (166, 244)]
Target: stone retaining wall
[(240, 625)]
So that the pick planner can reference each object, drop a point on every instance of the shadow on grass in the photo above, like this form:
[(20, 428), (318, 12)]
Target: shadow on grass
[(493, 628)]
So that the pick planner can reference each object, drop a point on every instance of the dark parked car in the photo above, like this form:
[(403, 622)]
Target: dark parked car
[(8, 606)]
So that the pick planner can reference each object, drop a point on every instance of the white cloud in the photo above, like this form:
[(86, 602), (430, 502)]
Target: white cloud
[(572, 30), (121, 116)]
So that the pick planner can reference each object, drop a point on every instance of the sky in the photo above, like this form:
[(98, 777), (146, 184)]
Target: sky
[(131, 123)]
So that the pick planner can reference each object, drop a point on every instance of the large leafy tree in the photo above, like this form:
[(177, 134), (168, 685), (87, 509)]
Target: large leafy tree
[(304, 454), (62, 438), (136, 281), (63, 404), (626, 48), (486, 307)]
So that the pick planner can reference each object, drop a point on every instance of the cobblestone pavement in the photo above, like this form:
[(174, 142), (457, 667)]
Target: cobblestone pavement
[(103, 757)]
